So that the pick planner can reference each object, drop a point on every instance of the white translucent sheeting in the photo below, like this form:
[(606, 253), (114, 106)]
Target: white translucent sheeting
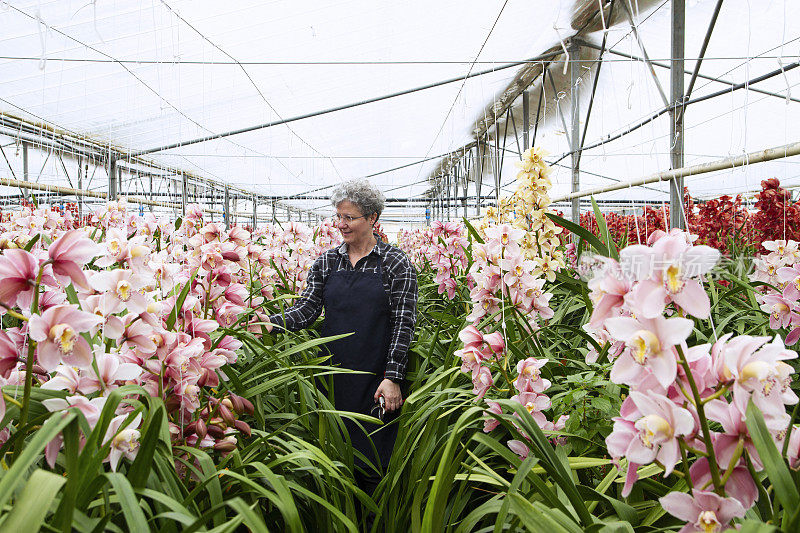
[(144, 74), (750, 39)]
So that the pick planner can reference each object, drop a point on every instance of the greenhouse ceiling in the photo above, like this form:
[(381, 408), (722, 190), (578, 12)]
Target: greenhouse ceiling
[(332, 90)]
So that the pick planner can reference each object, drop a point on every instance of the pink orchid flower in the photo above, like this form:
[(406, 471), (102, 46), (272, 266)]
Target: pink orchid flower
[(211, 232), (57, 332), (18, 270), (449, 286), (471, 336), (706, 512), (740, 484), (91, 410), (125, 441), (649, 345), (734, 427), (111, 325), (8, 354), (503, 237), (112, 370), (790, 277), (491, 423), (228, 347), (529, 378), (137, 335), (116, 248), (758, 370), (494, 344), (649, 431), (69, 253), (608, 296), (482, 381), (793, 452), (486, 305), (780, 310), (49, 299), (519, 448), (534, 404), (121, 289), (667, 272), (66, 378), (516, 267)]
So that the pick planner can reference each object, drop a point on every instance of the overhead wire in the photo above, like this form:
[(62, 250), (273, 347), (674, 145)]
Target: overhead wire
[(342, 63), (464, 82), (252, 81)]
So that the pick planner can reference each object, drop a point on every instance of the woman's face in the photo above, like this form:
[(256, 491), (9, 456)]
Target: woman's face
[(355, 227)]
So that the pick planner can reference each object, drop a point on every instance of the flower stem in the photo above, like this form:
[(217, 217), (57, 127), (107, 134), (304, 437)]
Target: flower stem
[(26, 396), (737, 454), (789, 428), (701, 414), (685, 460), (11, 399), (13, 313), (716, 395)]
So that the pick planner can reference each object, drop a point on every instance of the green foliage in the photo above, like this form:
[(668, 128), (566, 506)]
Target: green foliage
[(296, 471)]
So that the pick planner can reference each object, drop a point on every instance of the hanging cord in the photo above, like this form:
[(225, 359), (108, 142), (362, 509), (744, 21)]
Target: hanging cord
[(564, 47)]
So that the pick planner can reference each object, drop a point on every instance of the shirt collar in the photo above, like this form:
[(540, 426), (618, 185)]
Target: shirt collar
[(377, 249)]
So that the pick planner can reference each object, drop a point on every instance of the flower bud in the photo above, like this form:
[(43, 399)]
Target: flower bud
[(243, 427), (226, 415), (236, 403), (215, 431), (225, 445), (190, 429), (201, 429), (248, 406), (173, 403)]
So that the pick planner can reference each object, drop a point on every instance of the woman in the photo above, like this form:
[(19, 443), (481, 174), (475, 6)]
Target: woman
[(367, 288)]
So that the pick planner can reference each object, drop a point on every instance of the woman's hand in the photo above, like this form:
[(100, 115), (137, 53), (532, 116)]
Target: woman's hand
[(391, 395)]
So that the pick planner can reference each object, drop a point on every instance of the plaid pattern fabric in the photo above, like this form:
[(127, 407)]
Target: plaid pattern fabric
[(399, 280)]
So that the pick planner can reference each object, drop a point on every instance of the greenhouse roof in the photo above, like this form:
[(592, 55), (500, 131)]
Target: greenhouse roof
[(141, 76)]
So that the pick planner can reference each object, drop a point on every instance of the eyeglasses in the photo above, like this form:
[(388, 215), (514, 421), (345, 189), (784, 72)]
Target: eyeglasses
[(347, 218)]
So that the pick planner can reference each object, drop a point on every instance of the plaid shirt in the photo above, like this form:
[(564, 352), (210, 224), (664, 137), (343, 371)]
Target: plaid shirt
[(399, 281)]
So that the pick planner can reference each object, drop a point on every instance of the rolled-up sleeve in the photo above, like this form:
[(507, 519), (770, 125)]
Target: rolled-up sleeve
[(308, 308), (403, 314)]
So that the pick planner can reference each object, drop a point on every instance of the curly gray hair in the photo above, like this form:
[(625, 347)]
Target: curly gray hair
[(362, 193)]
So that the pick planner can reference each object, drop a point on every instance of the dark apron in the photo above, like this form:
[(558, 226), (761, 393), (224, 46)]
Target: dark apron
[(357, 302)]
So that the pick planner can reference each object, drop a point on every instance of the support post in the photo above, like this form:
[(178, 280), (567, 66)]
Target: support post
[(86, 174), (112, 181), (25, 169), (184, 192), (274, 211), (456, 179), (226, 208), (525, 118), (480, 151), (575, 136), (676, 112), (80, 187), (498, 165), (151, 192), (465, 183), (255, 211)]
